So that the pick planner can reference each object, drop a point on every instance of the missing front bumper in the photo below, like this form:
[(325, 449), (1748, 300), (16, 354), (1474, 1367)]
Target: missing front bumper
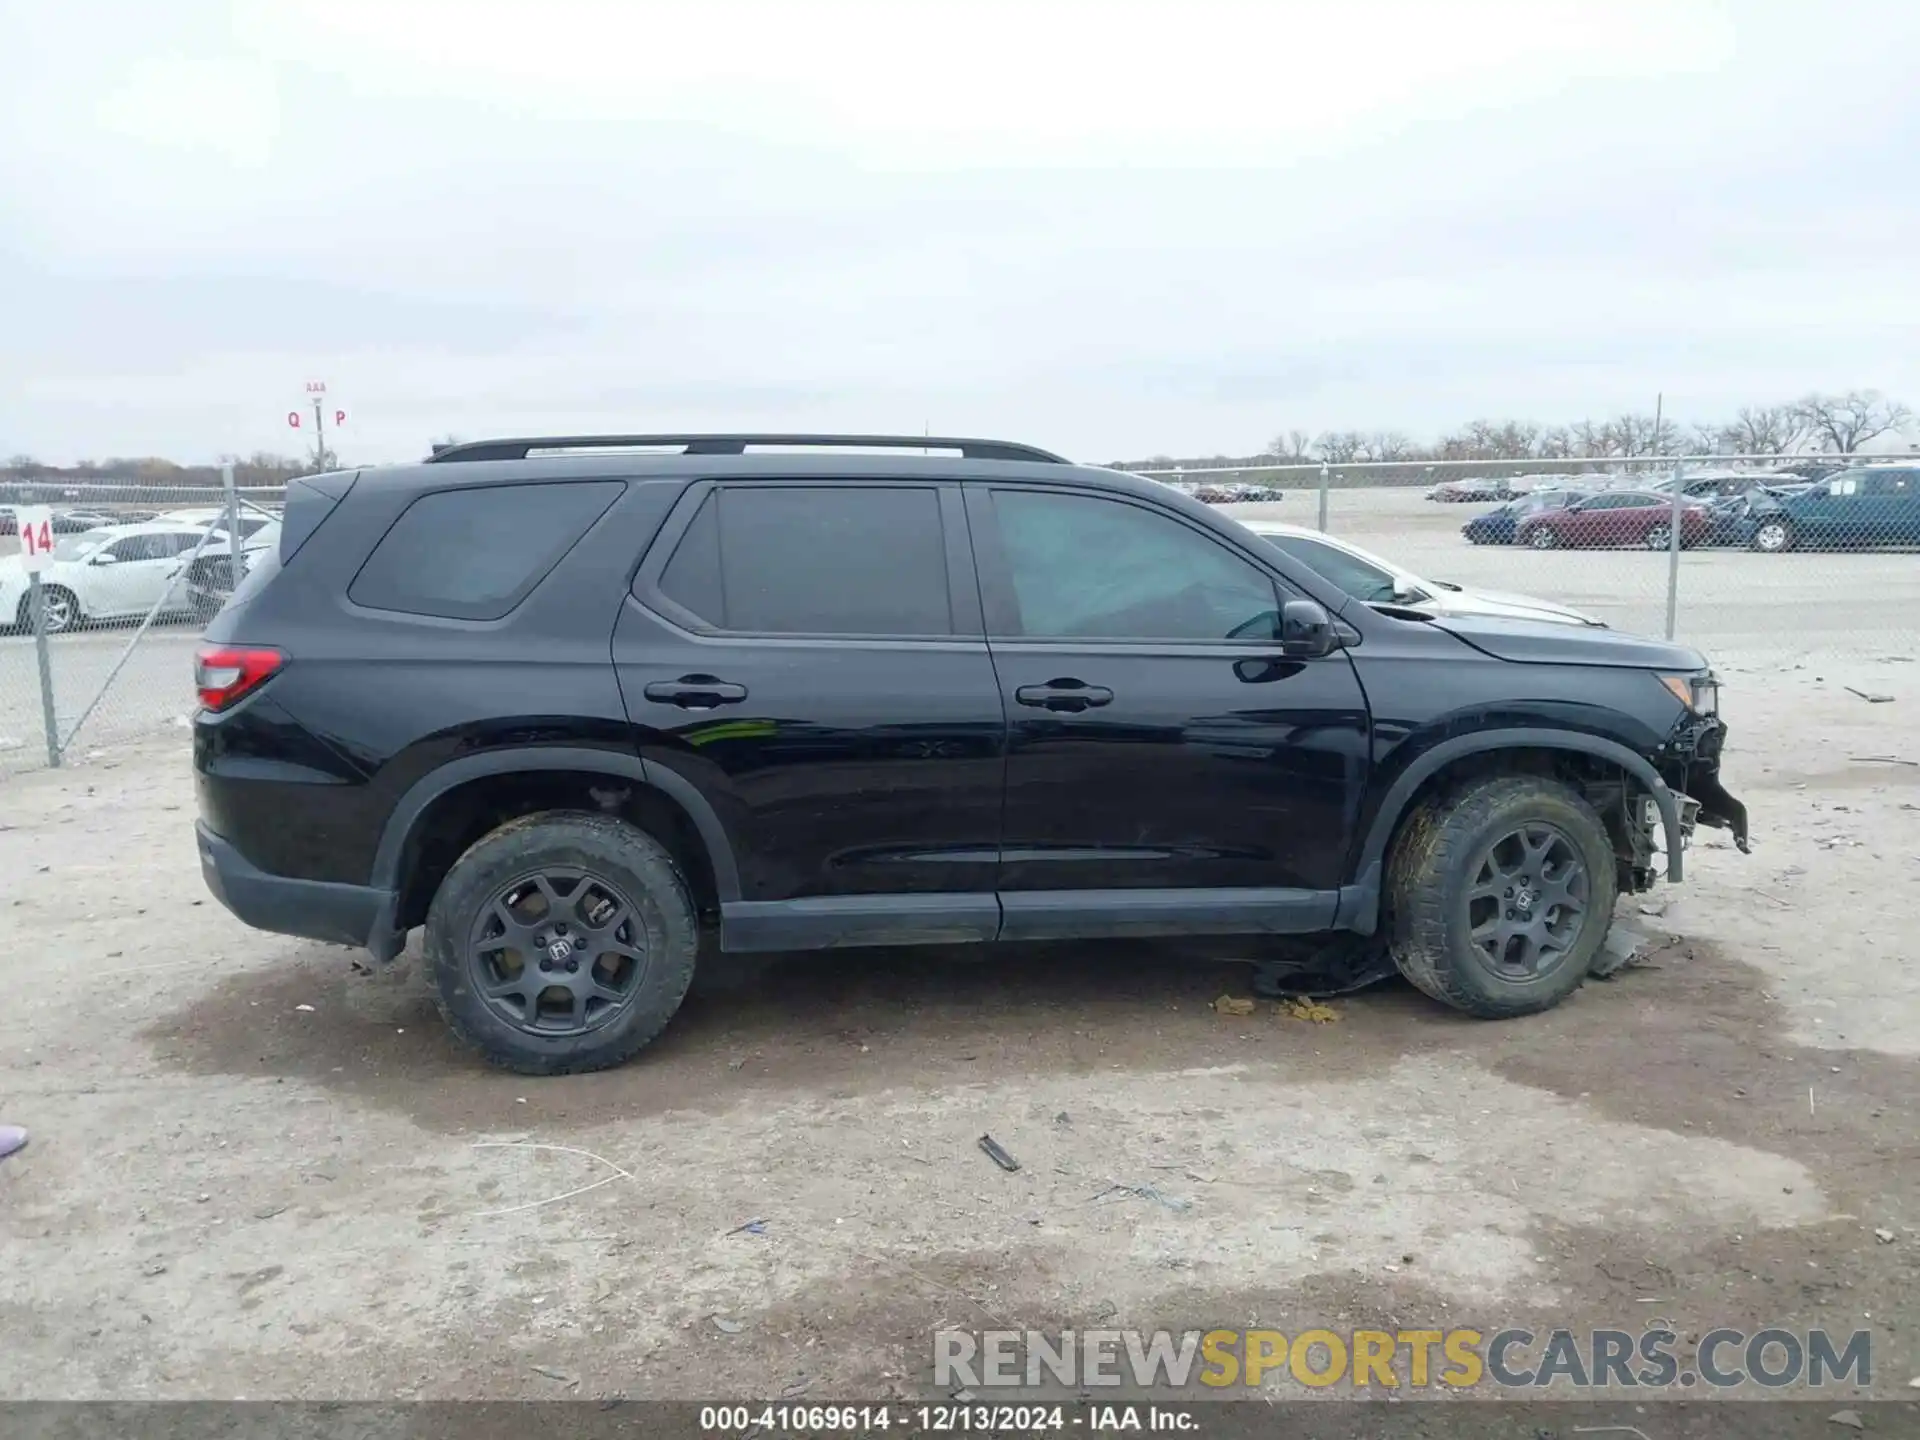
[(1696, 746), (1718, 809)]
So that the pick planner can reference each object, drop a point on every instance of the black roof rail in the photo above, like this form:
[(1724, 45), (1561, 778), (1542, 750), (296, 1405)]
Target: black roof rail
[(737, 445)]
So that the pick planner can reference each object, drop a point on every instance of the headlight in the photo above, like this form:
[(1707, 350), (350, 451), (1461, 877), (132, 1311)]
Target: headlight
[(1699, 693)]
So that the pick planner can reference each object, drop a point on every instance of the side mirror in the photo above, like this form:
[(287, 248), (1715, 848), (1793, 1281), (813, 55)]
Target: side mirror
[(1306, 630), (104, 557)]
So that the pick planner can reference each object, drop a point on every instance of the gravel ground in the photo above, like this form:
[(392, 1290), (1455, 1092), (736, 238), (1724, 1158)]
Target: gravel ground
[(256, 1172)]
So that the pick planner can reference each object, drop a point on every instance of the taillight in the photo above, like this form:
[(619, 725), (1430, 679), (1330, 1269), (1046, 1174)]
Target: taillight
[(224, 674)]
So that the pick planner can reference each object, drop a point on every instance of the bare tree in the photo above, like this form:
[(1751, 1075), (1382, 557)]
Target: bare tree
[(1590, 440), (1843, 423), (1766, 430), (1294, 445), (1639, 434), (1338, 447), (1491, 440), (1515, 439), (1707, 439), (1555, 443), (1389, 445)]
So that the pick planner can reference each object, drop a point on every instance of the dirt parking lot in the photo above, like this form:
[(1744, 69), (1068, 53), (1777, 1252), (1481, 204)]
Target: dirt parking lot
[(255, 1172)]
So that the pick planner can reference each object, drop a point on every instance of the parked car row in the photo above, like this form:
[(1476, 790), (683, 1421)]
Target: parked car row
[(1858, 508), (1234, 492), (1456, 492), (1501, 526), (121, 571)]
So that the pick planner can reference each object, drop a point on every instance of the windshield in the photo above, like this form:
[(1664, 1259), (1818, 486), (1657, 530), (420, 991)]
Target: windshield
[(78, 547), (1363, 576)]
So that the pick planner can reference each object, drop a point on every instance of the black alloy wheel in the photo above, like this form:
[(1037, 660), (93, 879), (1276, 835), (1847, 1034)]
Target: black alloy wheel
[(1528, 901), (557, 953)]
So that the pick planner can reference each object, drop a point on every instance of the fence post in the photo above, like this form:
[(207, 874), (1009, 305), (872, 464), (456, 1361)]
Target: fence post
[(1673, 549), (233, 528), (37, 598), (1323, 496)]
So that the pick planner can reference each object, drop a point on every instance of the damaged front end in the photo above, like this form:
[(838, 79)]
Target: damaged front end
[(1688, 765), (1691, 765)]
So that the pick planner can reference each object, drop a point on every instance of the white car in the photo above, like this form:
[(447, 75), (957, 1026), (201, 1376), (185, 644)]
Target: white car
[(212, 518), (1376, 581), (113, 573)]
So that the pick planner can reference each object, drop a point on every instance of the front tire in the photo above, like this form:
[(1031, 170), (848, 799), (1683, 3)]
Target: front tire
[(1659, 537), (562, 943), (1543, 539), (1773, 536), (1500, 896)]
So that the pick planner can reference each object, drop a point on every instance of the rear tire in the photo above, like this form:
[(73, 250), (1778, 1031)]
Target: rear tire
[(63, 610), (1472, 953), (504, 994), (1660, 537)]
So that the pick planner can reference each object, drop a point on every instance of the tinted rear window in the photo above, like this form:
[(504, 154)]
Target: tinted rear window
[(475, 554), (815, 560)]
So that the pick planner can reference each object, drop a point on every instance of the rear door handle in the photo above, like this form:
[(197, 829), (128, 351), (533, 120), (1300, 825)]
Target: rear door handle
[(695, 692), (1067, 695)]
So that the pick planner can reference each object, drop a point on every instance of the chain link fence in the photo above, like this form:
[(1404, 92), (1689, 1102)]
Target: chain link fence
[(1759, 561), (135, 573), (1764, 563)]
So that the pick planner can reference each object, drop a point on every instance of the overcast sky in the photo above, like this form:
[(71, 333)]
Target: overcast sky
[(1111, 228)]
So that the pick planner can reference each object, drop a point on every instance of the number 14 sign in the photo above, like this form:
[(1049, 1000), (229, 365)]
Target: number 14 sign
[(36, 537)]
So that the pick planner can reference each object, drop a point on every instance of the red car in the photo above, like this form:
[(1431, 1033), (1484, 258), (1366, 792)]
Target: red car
[(1616, 518)]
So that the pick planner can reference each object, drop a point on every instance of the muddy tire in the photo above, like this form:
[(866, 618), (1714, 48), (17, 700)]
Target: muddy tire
[(1500, 895), (562, 943)]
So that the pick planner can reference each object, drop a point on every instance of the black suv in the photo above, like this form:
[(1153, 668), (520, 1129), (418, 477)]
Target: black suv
[(579, 713)]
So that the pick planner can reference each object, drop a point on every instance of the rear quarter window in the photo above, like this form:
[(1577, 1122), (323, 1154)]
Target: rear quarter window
[(475, 554)]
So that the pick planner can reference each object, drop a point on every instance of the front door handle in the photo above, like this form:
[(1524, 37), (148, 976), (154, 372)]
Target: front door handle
[(1066, 695), (695, 692)]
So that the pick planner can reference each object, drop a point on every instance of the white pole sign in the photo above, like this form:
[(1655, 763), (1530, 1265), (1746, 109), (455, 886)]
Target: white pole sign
[(36, 537)]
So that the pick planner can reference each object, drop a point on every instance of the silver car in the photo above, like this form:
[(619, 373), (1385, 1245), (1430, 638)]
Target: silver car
[(1377, 581)]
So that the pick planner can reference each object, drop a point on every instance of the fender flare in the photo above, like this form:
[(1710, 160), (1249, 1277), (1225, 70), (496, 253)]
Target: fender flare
[(1360, 901), (431, 786)]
